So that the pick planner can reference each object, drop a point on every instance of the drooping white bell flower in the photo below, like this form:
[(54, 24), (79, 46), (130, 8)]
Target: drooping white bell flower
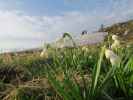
[(108, 53), (126, 32), (85, 49), (90, 57), (116, 44), (64, 42), (44, 53), (114, 37), (128, 46), (68, 42), (61, 46), (59, 43), (114, 59)]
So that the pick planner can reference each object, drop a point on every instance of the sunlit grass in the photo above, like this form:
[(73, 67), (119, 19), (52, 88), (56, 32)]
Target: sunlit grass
[(81, 73)]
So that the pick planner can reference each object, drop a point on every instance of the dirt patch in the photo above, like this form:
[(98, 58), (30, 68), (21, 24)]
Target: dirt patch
[(5, 89), (14, 74), (38, 89)]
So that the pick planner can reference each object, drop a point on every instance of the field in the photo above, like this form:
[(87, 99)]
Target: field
[(81, 73)]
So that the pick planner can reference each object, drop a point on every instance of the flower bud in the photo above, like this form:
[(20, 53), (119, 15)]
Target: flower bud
[(85, 49), (114, 59), (114, 37), (44, 53), (108, 53), (115, 45)]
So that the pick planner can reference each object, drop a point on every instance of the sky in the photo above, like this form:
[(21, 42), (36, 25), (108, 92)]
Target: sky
[(30, 23)]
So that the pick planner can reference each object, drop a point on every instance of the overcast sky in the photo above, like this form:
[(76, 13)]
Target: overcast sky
[(29, 23)]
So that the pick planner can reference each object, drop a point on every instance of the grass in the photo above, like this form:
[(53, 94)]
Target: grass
[(68, 74)]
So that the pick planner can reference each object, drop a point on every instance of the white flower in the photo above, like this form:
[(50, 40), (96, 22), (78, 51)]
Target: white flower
[(116, 44), (61, 46), (90, 57), (114, 59), (108, 53), (128, 46), (84, 48), (44, 53), (114, 37)]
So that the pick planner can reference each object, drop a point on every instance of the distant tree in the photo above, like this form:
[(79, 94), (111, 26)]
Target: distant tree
[(84, 32), (101, 28)]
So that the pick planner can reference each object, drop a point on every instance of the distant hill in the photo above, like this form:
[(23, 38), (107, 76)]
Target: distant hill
[(123, 29), (23, 52)]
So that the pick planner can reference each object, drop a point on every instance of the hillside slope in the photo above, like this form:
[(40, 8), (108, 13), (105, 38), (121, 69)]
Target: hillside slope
[(123, 29)]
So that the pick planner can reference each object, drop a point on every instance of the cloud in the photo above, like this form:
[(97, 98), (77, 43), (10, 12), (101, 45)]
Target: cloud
[(19, 30)]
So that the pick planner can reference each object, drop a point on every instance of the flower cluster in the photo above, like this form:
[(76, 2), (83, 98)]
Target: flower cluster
[(116, 43), (109, 53), (85, 49), (114, 58), (44, 53)]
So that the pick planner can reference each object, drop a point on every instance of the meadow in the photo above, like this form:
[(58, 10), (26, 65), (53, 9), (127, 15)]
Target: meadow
[(80, 73)]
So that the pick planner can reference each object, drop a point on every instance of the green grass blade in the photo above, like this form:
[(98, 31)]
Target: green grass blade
[(96, 72)]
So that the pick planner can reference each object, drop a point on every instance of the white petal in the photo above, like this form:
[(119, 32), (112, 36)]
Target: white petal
[(114, 37)]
